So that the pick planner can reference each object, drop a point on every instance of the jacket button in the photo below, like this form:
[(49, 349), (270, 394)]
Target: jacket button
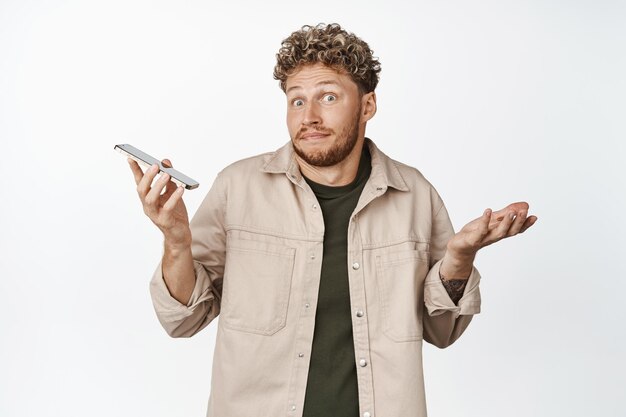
[(293, 408), (314, 206), (367, 414), (359, 313), (362, 362), (356, 266)]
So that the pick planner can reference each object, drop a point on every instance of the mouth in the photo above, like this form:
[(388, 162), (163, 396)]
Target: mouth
[(314, 136)]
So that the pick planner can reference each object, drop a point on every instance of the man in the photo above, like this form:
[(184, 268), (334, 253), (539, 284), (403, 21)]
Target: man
[(328, 262)]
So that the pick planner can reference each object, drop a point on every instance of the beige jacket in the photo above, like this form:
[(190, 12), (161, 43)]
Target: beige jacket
[(257, 249)]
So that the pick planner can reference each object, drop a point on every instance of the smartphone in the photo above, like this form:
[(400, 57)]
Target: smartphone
[(147, 161)]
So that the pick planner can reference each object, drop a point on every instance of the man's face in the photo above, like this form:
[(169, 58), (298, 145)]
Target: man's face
[(323, 114)]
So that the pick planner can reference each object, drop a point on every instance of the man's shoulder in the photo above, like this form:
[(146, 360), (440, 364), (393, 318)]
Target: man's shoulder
[(418, 185), (411, 175), (409, 172), (254, 164)]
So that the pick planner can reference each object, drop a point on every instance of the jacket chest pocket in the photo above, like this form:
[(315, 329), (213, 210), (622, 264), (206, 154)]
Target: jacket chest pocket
[(257, 284), (400, 278)]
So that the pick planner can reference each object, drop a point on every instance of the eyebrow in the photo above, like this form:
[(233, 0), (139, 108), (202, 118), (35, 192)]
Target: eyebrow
[(324, 82)]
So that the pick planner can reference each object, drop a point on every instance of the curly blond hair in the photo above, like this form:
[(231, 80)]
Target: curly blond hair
[(332, 46)]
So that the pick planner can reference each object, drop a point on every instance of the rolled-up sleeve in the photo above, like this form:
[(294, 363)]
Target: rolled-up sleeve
[(438, 301), (208, 253), (181, 320)]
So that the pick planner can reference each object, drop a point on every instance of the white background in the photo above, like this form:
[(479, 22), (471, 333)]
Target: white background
[(494, 101)]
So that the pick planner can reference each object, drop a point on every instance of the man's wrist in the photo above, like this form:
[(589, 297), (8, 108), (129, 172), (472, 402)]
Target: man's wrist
[(455, 266), (175, 246)]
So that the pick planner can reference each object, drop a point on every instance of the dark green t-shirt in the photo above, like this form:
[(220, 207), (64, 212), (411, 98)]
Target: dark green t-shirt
[(332, 389)]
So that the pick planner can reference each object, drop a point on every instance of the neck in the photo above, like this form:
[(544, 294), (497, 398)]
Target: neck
[(336, 175)]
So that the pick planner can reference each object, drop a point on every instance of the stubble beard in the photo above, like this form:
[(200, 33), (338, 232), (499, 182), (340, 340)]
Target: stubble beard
[(339, 151)]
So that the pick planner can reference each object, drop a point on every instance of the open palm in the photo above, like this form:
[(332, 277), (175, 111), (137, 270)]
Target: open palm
[(490, 228)]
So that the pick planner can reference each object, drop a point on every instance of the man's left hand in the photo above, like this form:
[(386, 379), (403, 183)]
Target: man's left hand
[(483, 231), (490, 228)]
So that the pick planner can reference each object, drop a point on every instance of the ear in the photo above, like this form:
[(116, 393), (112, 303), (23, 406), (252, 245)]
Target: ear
[(368, 106)]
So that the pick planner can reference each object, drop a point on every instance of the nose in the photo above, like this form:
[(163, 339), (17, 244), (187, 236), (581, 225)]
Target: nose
[(312, 114)]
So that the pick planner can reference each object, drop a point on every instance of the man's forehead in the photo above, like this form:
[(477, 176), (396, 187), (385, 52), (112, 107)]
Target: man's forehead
[(317, 74), (322, 83)]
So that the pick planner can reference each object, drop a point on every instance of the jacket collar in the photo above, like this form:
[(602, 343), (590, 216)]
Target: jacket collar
[(384, 173)]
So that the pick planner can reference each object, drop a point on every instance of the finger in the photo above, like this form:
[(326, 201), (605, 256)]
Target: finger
[(170, 187), (167, 163), (144, 184), (476, 234), (152, 198), (474, 225), (515, 207), (517, 224), (529, 222), (497, 217), (173, 199), (502, 229), (483, 225), (137, 172)]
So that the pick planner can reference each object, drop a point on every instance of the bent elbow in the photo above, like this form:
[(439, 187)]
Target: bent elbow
[(190, 325), (441, 343), (178, 332)]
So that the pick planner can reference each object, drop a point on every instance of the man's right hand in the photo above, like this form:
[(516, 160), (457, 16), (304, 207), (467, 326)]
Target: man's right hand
[(166, 209)]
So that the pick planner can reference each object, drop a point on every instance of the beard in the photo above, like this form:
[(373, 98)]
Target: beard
[(338, 151)]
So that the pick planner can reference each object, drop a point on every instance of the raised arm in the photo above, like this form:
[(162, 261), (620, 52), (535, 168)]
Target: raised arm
[(168, 212), (451, 293), (186, 286)]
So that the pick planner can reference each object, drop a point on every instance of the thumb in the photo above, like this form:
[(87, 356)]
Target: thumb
[(167, 163)]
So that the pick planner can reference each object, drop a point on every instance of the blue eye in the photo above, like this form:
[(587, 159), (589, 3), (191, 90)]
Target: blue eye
[(329, 97), (297, 102)]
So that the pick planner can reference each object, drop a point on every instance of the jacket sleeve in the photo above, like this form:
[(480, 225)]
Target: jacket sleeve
[(208, 253), (444, 322)]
